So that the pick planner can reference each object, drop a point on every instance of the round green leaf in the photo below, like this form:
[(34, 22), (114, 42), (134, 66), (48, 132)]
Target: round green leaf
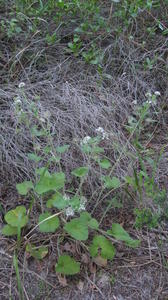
[(85, 216), (62, 149), (42, 171), (80, 172), (34, 157), (88, 220), (57, 201), (50, 183), (111, 183), (49, 225), (67, 265), (106, 247), (9, 230), (105, 164), (24, 187), (77, 229), (17, 217), (97, 150), (93, 224), (86, 148)]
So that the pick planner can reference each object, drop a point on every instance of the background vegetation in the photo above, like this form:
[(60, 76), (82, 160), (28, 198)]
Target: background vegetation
[(83, 145)]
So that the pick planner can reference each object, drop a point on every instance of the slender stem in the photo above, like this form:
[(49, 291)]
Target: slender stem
[(18, 237), (15, 263)]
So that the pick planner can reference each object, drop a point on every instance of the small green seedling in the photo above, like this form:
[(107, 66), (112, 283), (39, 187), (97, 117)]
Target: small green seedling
[(37, 252), (105, 163), (16, 219), (80, 172), (111, 183), (145, 217), (75, 46)]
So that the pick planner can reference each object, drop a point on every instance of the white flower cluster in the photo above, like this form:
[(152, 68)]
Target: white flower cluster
[(21, 85), (149, 102), (18, 106), (157, 93), (82, 204), (102, 132), (17, 100), (69, 211), (148, 95), (134, 102), (152, 98), (85, 140), (66, 197)]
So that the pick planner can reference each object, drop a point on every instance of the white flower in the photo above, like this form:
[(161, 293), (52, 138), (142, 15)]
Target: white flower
[(17, 100), (102, 132), (149, 101), (83, 200), (85, 140), (157, 93), (66, 197), (21, 85), (148, 95), (100, 129), (20, 112), (69, 212), (82, 207), (82, 203)]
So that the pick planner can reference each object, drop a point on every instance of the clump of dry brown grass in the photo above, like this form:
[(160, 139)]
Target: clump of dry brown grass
[(74, 111)]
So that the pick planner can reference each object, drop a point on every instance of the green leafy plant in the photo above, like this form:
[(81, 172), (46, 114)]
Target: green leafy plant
[(50, 182), (24, 187), (105, 164), (145, 217), (111, 183), (16, 219), (103, 247), (80, 172), (77, 229), (118, 232), (48, 223), (54, 193), (75, 46), (67, 265), (36, 252)]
